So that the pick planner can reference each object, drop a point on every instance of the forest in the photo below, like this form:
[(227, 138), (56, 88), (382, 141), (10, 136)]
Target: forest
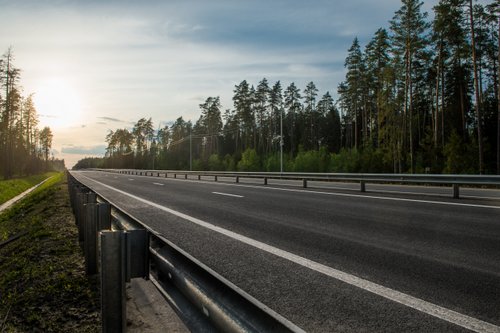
[(25, 149), (421, 96)]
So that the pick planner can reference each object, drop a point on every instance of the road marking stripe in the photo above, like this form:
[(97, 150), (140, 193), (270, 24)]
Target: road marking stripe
[(418, 304), (445, 203), (130, 179), (358, 195), (229, 195), (159, 184)]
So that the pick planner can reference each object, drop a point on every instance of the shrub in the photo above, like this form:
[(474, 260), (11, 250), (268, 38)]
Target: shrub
[(249, 161)]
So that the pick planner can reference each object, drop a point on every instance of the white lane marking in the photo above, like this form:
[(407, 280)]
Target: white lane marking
[(342, 194), (130, 179), (229, 194), (358, 195), (159, 184), (479, 197), (418, 304)]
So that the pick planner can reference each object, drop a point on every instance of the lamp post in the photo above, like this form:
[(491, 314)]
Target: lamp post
[(282, 143)]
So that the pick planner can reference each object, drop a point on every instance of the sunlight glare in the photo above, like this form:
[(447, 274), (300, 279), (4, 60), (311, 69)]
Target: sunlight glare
[(57, 103)]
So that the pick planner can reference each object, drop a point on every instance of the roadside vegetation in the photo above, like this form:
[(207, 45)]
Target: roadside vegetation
[(10, 188), (43, 287)]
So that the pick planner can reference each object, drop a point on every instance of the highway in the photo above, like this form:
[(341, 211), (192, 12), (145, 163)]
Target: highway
[(329, 258)]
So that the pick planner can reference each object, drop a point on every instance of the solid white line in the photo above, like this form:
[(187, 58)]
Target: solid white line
[(130, 179), (229, 195), (440, 312), (159, 184)]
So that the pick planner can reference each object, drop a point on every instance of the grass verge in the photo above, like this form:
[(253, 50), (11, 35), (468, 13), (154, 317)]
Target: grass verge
[(43, 287), (12, 187)]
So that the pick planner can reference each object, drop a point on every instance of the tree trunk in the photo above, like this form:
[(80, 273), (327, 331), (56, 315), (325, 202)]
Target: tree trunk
[(442, 105), (7, 120), (410, 111), (476, 88), (436, 115), (498, 100)]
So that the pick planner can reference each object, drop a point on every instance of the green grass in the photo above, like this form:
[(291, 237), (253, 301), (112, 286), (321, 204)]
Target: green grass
[(12, 187), (43, 287)]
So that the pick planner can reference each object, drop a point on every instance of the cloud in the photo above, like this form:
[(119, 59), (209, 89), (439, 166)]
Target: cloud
[(81, 150), (116, 120)]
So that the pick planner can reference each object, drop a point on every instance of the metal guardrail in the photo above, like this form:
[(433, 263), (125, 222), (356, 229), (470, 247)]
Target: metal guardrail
[(120, 248), (454, 181)]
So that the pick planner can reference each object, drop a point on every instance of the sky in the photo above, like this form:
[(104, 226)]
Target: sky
[(96, 66)]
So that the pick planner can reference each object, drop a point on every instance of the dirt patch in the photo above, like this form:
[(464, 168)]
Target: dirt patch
[(43, 287)]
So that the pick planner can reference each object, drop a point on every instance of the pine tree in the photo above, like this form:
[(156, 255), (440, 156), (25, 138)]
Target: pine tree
[(309, 139), (242, 100), (11, 105), (476, 89), (377, 60), (262, 115), (46, 137), (352, 95), (276, 118), (210, 124), (329, 133), (293, 107), (409, 30)]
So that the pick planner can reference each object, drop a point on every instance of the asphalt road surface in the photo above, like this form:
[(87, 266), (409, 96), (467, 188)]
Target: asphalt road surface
[(330, 258)]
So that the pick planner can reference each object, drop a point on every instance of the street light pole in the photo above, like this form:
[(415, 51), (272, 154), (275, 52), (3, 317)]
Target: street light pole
[(281, 140), (190, 152)]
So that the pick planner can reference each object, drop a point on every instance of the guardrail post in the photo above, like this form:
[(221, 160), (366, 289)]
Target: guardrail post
[(304, 183), (103, 216), (90, 239), (363, 186), (113, 270), (166, 174), (456, 191), (91, 197), (78, 207), (199, 177), (137, 241), (87, 198), (186, 176), (175, 175), (215, 179), (237, 179), (265, 180), (82, 198)]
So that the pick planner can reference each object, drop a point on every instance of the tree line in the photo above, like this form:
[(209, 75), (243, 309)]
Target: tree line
[(421, 96), (25, 149)]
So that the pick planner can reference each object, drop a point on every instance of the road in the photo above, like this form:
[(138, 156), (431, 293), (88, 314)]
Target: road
[(334, 259)]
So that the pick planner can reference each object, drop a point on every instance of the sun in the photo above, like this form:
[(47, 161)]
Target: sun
[(58, 103)]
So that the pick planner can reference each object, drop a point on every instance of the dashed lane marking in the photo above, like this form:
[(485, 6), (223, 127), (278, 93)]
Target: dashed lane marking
[(229, 195)]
